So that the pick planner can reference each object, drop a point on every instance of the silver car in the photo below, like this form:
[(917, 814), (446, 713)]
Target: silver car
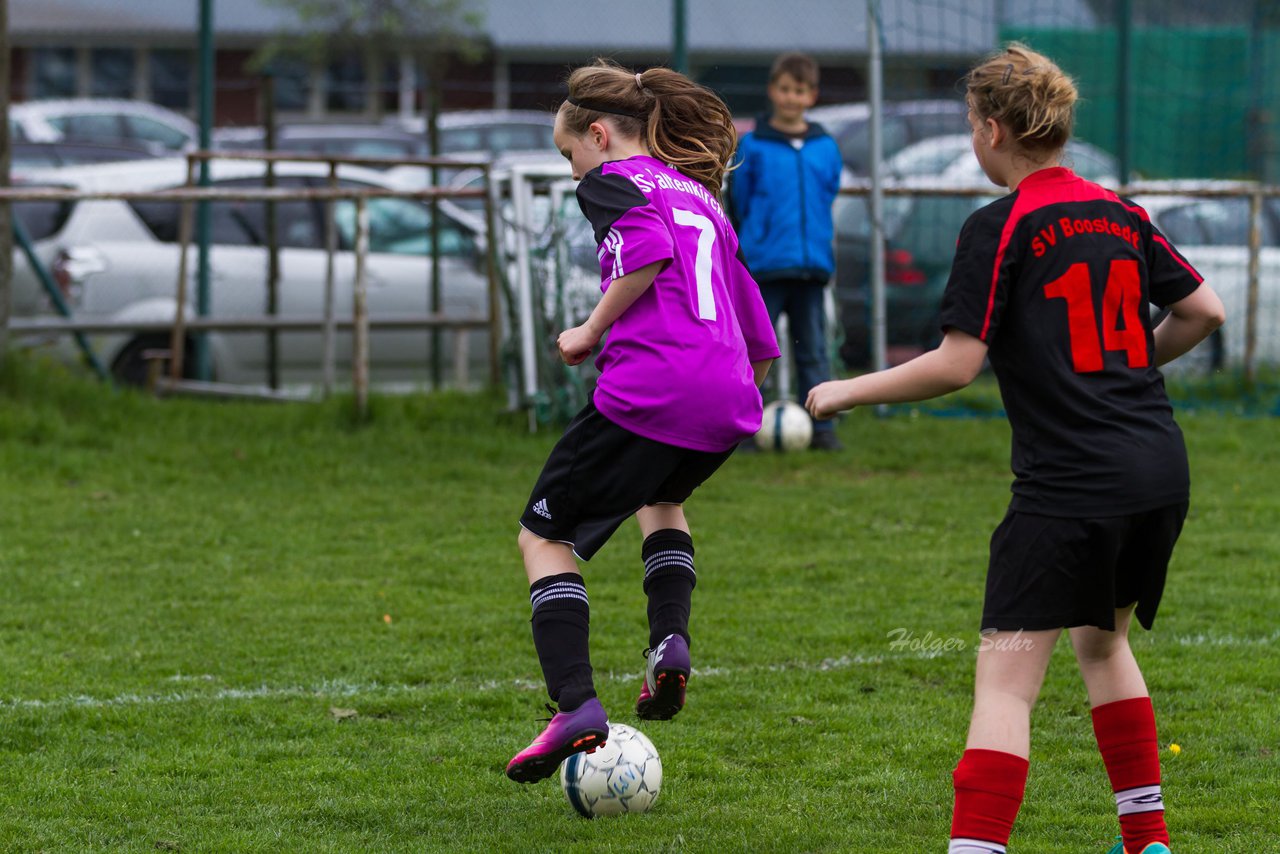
[(104, 120), (1213, 235), (119, 260)]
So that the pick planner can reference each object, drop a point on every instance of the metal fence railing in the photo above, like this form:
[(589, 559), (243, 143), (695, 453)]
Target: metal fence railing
[(1236, 269), (327, 321)]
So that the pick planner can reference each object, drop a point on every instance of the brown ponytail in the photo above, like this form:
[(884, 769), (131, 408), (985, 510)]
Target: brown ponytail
[(684, 124)]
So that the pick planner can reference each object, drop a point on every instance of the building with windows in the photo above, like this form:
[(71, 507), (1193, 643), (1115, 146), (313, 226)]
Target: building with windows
[(1214, 67), (145, 49)]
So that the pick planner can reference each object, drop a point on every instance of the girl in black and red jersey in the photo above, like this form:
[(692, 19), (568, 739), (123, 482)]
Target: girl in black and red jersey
[(1051, 284)]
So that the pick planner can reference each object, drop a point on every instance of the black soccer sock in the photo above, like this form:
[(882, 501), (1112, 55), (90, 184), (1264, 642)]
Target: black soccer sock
[(561, 631), (669, 580)]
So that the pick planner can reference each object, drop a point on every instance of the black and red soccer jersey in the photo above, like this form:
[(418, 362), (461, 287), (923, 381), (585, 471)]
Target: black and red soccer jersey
[(1056, 278)]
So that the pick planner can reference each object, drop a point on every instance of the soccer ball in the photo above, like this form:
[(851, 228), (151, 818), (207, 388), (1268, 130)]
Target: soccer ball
[(622, 776), (786, 426)]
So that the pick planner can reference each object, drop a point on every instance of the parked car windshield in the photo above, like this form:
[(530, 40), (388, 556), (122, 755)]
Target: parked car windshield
[(400, 227), (151, 131), (89, 126), (239, 223), (113, 128), (1218, 222), (397, 226)]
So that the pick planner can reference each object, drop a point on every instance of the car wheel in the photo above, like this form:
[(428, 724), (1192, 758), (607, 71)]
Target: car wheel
[(132, 367)]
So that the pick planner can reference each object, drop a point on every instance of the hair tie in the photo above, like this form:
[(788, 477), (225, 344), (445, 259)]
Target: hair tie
[(639, 82), (597, 107)]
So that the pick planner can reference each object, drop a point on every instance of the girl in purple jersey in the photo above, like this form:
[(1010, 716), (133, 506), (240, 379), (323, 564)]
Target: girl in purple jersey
[(1051, 284), (689, 342)]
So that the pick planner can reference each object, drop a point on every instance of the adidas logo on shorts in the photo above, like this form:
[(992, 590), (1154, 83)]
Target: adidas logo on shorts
[(541, 509)]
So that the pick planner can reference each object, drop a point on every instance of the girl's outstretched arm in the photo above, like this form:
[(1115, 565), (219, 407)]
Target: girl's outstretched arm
[(953, 365), (577, 343)]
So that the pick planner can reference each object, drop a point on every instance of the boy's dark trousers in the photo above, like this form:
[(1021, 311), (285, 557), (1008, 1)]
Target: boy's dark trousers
[(803, 301)]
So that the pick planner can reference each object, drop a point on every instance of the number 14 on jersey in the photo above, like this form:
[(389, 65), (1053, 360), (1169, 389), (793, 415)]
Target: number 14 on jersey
[(1120, 329)]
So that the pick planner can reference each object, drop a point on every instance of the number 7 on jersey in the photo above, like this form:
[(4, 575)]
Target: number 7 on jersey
[(702, 266)]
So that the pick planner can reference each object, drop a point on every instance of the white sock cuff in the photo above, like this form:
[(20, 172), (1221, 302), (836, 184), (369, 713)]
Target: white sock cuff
[(974, 846), (559, 590), (1140, 799)]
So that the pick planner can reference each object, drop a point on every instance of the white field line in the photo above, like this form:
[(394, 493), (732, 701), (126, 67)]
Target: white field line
[(338, 689)]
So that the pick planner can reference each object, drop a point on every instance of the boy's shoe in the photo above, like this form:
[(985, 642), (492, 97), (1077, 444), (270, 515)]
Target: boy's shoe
[(825, 440), (567, 733), (1153, 848), (665, 679)]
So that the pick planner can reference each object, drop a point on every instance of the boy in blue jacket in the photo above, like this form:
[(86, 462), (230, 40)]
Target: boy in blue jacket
[(781, 193)]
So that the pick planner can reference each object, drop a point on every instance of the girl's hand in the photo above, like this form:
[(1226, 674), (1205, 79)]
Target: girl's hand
[(576, 344), (826, 399)]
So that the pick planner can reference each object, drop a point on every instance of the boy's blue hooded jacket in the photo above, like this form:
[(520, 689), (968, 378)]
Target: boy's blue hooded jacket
[(780, 197)]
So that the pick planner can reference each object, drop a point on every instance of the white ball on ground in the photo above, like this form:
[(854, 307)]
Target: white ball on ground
[(786, 426), (623, 776)]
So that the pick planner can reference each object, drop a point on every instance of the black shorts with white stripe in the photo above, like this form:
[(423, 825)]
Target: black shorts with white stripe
[(599, 474)]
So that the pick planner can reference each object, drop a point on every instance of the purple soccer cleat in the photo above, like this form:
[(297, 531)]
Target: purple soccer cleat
[(664, 680), (567, 733)]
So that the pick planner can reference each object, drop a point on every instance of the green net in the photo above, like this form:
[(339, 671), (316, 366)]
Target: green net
[(1179, 103), (1170, 91)]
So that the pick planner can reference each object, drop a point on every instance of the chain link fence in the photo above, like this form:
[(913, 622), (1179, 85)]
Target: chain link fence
[(1179, 109)]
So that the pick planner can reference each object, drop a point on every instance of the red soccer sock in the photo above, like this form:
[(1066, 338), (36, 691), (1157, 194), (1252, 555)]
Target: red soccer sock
[(989, 786), (1126, 733)]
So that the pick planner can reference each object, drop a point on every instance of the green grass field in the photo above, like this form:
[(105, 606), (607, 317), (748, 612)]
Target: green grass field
[(193, 592)]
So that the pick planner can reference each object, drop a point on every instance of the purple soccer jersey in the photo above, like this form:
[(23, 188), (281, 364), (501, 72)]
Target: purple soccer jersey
[(676, 366)]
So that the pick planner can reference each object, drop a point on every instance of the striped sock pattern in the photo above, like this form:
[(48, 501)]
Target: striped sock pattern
[(542, 596), (669, 579), (670, 560), (561, 634)]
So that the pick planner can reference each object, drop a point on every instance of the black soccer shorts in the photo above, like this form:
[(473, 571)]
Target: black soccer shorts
[(1050, 572), (599, 474)]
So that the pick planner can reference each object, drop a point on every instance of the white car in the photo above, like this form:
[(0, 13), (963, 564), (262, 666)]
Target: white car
[(119, 260), (105, 120), (1213, 235), (949, 157)]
